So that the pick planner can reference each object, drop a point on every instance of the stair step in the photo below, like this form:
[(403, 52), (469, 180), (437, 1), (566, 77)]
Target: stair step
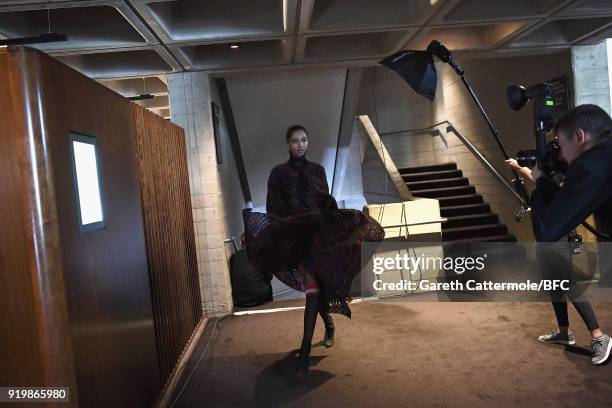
[(432, 175), (460, 200), (427, 169), (474, 231), (446, 192), (482, 245), (433, 184), (455, 210), (469, 220), (491, 238)]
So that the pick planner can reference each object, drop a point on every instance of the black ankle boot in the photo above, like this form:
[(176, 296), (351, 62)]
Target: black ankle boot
[(330, 330), (303, 362)]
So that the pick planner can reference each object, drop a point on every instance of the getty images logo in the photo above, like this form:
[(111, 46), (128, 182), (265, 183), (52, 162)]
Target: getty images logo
[(459, 264)]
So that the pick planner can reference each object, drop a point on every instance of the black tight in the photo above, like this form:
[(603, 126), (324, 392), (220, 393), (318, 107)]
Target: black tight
[(317, 303), (584, 309), (555, 262), (312, 307)]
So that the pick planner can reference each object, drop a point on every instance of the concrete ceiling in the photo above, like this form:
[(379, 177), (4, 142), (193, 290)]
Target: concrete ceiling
[(119, 39)]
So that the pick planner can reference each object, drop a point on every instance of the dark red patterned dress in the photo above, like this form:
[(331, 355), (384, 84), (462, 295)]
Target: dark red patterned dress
[(303, 224)]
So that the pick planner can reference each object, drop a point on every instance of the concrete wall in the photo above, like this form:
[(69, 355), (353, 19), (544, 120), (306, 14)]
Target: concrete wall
[(212, 187), (392, 107), (591, 64), (231, 199), (347, 187), (399, 108), (390, 102), (266, 103)]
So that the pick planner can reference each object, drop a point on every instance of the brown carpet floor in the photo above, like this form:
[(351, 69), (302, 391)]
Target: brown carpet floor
[(401, 354)]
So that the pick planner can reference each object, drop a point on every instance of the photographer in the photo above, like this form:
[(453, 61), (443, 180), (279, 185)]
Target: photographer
[(582, 134)]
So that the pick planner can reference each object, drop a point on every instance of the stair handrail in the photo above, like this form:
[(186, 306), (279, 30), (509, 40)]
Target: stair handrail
[(390, 167), (473, 149)]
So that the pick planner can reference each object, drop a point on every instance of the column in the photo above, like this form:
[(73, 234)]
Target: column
[(592, 74), (348, 184), (190, 104)]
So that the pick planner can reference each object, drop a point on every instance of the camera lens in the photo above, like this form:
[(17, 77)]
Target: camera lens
[(526, 158)]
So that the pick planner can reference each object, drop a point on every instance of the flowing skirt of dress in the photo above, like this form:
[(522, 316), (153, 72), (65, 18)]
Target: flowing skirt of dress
[(327, 243)]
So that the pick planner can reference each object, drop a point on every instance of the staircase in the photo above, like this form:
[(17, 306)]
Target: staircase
[(469, 218)]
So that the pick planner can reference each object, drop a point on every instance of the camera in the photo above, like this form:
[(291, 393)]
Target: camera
[(547, 155), (552, 157)]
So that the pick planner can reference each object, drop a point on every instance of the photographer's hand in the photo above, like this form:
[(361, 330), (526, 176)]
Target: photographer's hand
[(525, 171)]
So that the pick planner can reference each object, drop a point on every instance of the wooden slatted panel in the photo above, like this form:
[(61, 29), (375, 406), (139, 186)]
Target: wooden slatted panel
[(169, 235)]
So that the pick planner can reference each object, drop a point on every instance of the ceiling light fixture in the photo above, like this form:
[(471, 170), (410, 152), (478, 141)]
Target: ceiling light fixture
[(43, 38), (234, 46), (47, 37)]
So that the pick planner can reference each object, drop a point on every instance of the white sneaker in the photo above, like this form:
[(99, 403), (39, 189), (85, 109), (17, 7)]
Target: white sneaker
[(556, 337), (601, 349)]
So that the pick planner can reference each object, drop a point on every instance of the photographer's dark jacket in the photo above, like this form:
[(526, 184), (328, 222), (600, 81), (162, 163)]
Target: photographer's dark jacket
[(587, 190)]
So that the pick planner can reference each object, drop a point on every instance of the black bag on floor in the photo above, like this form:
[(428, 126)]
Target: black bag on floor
[(250, 287)]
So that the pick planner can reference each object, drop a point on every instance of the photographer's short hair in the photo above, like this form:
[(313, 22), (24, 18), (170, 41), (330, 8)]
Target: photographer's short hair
[(294, 128), (590, 118)]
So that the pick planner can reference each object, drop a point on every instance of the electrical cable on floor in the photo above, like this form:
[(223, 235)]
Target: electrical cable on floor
[(195, 368)]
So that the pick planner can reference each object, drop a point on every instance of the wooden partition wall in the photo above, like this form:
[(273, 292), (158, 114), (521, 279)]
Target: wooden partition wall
[(168, 221), (104, 312)]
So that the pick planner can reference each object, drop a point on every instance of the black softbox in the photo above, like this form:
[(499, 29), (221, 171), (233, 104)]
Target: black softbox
[(417, 68)]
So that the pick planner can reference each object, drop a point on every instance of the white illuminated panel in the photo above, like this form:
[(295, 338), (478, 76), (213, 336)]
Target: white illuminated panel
[(87, 182)]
